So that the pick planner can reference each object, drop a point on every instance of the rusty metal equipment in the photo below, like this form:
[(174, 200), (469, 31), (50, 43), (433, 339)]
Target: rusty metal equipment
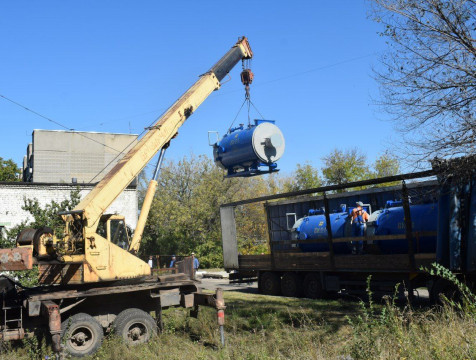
[(16, 259), (216, 301)]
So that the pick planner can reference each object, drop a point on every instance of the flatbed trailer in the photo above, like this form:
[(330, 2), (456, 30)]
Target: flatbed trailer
[(288, 270)]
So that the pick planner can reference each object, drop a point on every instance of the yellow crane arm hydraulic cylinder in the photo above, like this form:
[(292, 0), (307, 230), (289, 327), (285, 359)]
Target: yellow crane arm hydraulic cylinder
[(147, 203), (149, 196)]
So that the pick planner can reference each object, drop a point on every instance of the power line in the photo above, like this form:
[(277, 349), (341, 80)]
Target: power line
[(56, 122), (324, 67), (76, 132), (143, 131), (319, 68)]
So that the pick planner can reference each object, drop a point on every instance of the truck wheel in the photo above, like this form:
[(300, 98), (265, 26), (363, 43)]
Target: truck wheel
[(447, 289), (81, 334), (291, 285), (270, 283), (313, 287), (134, 326)]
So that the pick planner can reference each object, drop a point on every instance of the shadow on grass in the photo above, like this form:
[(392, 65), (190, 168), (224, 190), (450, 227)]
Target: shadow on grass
[(253, 312)]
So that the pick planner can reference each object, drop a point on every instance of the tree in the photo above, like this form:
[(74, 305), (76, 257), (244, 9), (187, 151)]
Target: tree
[(386, 165), (185, 213), (46, 216), (428, 77), (304, 177), (9, 171), (341, 167)]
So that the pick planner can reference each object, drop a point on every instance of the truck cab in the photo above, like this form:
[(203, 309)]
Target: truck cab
[(113, 228)]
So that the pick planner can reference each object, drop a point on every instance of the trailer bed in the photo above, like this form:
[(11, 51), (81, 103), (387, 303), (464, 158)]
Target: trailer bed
[(150, 283), (308, 261)]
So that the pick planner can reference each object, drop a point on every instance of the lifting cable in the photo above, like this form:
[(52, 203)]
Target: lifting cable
[(247, 77)]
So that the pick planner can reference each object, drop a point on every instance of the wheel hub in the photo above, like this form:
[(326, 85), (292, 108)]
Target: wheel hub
[(135, 333), (79, 338)]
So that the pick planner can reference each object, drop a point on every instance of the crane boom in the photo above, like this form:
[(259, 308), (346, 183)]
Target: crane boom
[(121, 175)]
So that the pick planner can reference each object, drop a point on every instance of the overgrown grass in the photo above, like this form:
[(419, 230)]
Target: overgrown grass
[(266, 327)]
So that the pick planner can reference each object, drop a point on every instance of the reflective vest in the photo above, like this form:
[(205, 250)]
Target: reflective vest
[(359, 215)]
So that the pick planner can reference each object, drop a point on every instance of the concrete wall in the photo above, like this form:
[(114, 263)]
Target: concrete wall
[(12, 195), (59, 156)]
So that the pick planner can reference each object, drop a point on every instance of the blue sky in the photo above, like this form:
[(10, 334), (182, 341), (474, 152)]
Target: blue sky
[(114, 66)]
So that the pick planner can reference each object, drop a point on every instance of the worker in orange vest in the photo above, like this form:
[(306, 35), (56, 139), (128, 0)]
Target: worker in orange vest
[(359, 218)]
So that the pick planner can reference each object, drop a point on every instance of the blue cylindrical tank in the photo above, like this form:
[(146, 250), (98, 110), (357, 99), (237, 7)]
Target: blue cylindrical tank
[(242, 151), (313, 227), (391, 222)]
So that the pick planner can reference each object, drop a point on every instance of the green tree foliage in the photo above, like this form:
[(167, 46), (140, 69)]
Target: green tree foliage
[(304, 177), (185, 213), (46, 216), (9, 171), (343, 166), (386, 165)]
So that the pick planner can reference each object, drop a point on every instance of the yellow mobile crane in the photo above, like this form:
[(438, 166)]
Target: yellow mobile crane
[(89, 252), (89, 282)]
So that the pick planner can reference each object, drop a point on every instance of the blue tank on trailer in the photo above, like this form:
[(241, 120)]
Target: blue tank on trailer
[(314, 227), (245, 151), (391, 222)]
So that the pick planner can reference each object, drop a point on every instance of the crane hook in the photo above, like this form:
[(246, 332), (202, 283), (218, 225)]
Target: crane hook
[(247, 78)]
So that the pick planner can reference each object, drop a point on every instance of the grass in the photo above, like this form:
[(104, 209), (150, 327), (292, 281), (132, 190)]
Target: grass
[(267, 327)]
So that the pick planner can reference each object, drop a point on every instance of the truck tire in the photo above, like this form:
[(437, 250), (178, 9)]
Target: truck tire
[(134, 326), (442, 287), (270, 283), (313, 287), (291, 285), (81, 335)]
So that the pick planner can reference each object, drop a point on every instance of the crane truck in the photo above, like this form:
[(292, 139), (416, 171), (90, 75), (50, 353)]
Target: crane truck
[(88, 282)]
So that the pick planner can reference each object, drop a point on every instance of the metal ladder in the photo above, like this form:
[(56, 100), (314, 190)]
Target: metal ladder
[(14, 332)]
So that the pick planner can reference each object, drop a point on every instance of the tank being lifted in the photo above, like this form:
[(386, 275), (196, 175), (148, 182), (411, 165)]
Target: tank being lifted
[(243, 152)]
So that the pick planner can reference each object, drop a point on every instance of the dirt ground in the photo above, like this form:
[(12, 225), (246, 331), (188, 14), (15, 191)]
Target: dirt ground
[(213, 284)]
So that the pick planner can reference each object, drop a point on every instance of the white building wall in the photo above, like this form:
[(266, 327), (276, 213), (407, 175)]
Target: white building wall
[(12, 197)]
